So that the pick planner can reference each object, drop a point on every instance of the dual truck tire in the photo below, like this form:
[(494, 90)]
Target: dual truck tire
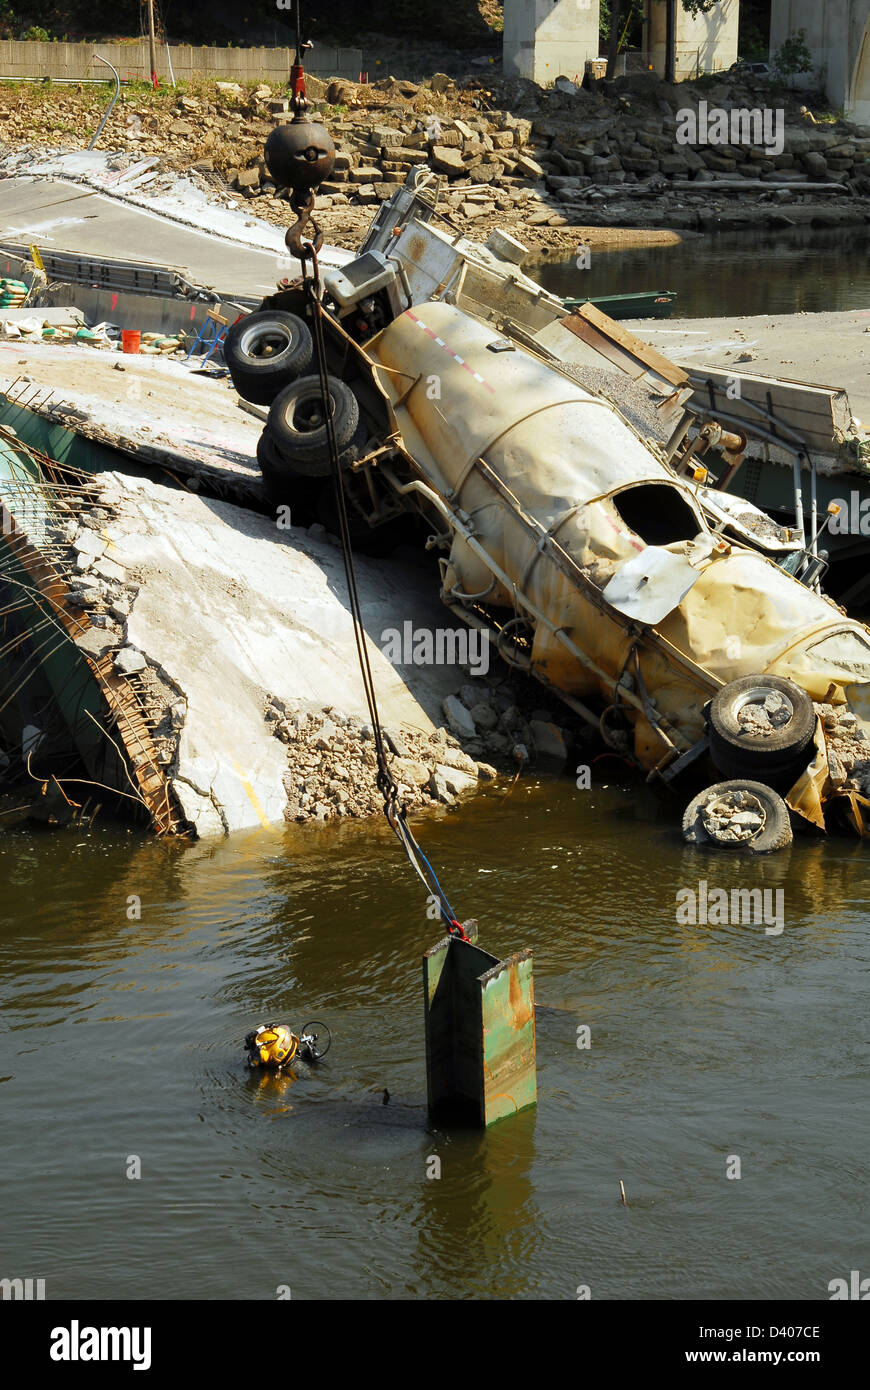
[(268, 355), (757, 763)]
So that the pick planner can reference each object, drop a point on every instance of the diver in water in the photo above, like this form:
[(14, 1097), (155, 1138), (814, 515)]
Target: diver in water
[(274, 1045)]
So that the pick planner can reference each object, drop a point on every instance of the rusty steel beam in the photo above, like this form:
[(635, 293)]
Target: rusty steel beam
[(480, 1033)]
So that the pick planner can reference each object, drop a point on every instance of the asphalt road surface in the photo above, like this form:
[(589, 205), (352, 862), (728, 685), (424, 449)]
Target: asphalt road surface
[(60, 216)]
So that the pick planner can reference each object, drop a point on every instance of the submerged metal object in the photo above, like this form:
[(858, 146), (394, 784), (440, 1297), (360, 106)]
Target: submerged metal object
[(480, 1033), (640, 591)]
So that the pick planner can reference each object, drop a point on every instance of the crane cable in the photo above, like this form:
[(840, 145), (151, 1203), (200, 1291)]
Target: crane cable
[(395, 813)]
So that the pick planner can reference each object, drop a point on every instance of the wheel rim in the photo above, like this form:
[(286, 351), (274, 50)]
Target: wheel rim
[(721, 817), (259, 343), (757, 696), (321, 1035), (308, 415)]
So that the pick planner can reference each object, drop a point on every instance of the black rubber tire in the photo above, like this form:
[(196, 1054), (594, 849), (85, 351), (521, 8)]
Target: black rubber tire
[(775, 834), (774, 756), (267, 456), (778, 775), (298, 428), (281, 486), (266, 351)]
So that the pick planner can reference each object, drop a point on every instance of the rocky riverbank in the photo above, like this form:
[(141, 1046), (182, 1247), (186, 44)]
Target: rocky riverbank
[(550, 165), (332, 768)]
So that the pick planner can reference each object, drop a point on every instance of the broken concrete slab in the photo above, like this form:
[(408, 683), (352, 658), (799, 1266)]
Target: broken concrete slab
[(231, 608), (128, 661), (458, 718), (96, 641), (199, 810), (90, 544), (455, 780)]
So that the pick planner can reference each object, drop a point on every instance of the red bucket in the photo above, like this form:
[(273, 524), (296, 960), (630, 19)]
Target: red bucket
[(130, 338)]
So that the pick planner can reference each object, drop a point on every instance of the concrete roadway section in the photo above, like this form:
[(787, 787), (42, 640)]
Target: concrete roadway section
[(57, 215), (233, 608), (828, 349)]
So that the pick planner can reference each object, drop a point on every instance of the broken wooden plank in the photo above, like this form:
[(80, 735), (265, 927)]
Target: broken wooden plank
[(619, 345)]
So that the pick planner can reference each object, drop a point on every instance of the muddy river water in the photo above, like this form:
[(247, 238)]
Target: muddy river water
[(801, 269), (121, 1039)]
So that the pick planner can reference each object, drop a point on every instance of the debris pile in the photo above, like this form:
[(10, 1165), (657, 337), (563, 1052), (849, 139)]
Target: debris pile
[(332, 765), (848, 750), (510, 153), (36, 327), (547, 156)]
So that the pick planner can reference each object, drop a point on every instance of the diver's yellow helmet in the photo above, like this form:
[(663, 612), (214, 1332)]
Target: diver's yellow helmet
[(272, 1045)]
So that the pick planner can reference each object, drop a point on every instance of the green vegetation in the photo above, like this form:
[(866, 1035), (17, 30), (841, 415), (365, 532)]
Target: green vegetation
[(793, 56)]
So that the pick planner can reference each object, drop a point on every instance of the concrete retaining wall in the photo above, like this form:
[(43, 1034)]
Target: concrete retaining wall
[(702, 43), (838, 37), (76, 60)]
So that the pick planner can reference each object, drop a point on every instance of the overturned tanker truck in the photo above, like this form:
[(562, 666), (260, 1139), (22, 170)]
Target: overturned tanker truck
[(681, 622)]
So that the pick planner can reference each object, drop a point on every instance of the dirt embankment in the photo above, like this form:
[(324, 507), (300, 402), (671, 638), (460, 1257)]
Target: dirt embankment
[(554, 166)]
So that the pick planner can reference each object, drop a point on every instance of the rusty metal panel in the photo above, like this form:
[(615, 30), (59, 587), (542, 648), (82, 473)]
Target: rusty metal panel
[(508, 1007), (480, 1033), (806, 798), (815, 413), (438, 1003)]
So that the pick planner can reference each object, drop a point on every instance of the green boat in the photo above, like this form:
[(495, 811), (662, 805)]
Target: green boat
[(651, 304)]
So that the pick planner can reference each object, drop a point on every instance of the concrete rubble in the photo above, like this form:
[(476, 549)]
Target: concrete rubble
[(205, 609), (332, 766), (848, 750), (765, 717), (511, 154), (733, 817)]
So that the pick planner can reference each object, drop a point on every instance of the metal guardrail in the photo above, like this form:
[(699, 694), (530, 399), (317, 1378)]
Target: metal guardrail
[(103, 273)]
